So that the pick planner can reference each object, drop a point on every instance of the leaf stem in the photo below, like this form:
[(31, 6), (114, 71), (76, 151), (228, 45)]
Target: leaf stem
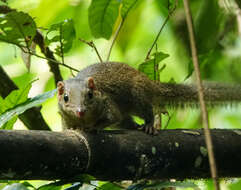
[(114, 39), (91, 44), (163, 25)]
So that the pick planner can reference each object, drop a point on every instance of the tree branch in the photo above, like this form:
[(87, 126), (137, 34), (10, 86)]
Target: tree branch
[(39, 40), (32, 118), (92, 45), (116, 155), (208, 137)]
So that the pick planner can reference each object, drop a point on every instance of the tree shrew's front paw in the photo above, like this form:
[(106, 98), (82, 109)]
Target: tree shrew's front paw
[(149, 129)]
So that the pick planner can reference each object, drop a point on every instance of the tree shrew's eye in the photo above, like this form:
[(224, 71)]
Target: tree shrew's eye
[(90, 94), (66, 98)]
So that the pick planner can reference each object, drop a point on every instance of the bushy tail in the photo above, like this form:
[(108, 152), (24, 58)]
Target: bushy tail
[(180, 95)]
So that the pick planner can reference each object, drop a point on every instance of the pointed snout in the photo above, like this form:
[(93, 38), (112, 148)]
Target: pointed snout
[(80, 112)]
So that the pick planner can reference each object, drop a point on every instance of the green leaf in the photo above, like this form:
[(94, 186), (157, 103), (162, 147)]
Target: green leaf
[(165, 5), (127, 5), (235, 185), (75, 186), (15, 186), (84, 178), (202, 59), (9, 125), (20, 108), (50, 187), (108, 186), (161, 185), (208, 39), (63, 33), (102, 17), (138, 186), (14, 98), (27, 184), (159, 56), (57, 185), (17, 28), (166, 184), (148, 67), (3, 3)]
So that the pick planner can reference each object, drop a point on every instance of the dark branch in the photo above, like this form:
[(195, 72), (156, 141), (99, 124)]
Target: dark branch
[(39, 40), (5, 9), (117, 155), (238, 3), (32, 118)]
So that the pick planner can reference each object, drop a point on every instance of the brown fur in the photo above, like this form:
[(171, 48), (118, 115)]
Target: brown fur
[(123, 91)]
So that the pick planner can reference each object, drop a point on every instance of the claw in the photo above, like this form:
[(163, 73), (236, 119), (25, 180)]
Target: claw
[(149, 129)]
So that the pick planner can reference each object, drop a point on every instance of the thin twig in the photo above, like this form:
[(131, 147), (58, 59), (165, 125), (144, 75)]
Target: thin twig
[(49, 59), (163, 25), (156, 67), (91, 44), (114, 39), (119, 28), (207, 133)]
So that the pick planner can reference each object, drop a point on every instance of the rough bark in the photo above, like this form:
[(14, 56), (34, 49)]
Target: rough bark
[(117, 155)]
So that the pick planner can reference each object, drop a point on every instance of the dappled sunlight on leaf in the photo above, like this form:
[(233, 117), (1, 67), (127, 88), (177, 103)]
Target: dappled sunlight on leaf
[(22, 106), (102, 17), (17, 28)]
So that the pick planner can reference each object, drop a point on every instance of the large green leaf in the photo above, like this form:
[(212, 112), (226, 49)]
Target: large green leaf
[(202, 58), (75, 186), (62, 33), (127, 5), (3, 3), (17, 28), (15, 186), (23, 106), (208, 26), (102, 17), (50, 187), (14, 98), (162, 185), (57, 185), (108, 186), (165, 5)]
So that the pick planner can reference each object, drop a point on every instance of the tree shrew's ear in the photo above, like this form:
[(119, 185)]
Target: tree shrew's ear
[(91, 83), (60, 88)]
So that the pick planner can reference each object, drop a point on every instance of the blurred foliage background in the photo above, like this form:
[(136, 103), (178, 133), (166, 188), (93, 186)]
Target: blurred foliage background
[(218, 36)]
